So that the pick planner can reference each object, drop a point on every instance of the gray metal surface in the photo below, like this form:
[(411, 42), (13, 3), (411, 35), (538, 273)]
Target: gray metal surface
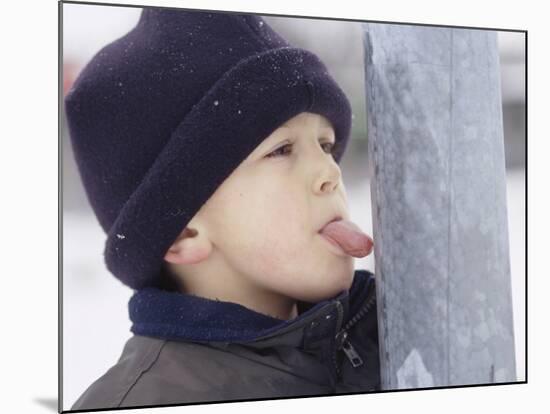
[(436, 158)]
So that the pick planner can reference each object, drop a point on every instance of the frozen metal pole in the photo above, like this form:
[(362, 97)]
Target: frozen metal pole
[(436, 158)]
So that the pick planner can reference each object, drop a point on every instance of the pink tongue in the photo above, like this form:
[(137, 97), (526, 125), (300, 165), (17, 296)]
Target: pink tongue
[(349, 237)]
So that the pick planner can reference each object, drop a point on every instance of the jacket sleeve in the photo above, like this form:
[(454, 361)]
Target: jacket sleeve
[(108, 391)]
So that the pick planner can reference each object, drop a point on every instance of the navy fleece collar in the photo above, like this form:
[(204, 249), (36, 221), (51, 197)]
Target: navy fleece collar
[(179, 316)]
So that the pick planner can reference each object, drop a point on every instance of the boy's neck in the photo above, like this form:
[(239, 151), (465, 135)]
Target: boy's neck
[(266, 303), (231, 288)]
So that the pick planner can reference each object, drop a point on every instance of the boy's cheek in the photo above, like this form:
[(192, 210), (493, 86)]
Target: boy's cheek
[(266, 258)]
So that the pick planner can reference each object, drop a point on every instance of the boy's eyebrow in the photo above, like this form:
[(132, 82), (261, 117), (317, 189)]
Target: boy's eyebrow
[(323, 127), (277, 140)]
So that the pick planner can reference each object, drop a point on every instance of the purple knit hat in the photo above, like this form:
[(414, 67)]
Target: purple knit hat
[(160, 117)]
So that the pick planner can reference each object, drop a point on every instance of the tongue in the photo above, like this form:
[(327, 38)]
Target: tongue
[(349, 237)]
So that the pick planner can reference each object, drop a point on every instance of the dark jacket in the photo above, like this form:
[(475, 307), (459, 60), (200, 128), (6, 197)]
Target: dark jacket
[(187, 349)]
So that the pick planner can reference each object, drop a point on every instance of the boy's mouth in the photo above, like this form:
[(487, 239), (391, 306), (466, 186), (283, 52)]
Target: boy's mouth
[(348, 237), (335, 218)]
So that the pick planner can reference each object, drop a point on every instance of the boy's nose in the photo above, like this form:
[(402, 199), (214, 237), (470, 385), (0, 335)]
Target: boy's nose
[(328, 187), (327, 176)]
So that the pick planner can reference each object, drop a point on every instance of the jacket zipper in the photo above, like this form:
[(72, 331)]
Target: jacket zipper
[(342, 341)]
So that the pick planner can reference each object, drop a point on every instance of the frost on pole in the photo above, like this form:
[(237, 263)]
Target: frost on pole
[(436, 158)]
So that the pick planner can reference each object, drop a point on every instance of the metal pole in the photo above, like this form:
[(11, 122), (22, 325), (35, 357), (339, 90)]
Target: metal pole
[(436, 158)]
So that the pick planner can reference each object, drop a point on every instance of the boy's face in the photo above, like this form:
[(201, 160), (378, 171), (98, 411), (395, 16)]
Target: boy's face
[(262, 223)]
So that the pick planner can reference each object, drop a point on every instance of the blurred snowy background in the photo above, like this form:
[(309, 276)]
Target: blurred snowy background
[(95, 317)]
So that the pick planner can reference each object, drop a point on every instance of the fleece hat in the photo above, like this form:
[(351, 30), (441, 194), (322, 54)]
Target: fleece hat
[(160, 117)]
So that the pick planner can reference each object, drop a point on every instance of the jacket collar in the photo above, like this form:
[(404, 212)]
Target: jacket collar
[(183, 317)]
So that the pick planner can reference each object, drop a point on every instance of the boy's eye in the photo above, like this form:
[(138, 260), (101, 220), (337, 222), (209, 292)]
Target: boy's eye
[(281, 151), (331, 149), (286, 150)]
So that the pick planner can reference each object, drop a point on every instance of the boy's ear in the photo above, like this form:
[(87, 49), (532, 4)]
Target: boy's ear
[(190, 247)]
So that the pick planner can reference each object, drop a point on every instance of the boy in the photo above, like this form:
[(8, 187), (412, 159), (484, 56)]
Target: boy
[(212, 123)]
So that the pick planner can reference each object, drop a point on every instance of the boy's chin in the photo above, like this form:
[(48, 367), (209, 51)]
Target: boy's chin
[(327, 292)]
